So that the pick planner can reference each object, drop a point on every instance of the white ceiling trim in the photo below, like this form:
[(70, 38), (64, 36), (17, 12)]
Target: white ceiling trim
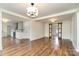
[(41, 18), (58, 14), (15, 14)]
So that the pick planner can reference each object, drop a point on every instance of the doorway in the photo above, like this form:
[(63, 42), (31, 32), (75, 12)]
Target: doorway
[(55, 34)]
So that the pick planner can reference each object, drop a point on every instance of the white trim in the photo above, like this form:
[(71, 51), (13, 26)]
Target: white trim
[(15, 14), (77, 50), (41, 18), (58, 14)]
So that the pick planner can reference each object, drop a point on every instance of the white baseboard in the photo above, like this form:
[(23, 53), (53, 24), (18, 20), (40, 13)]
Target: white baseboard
[(37, 38), (77, 50)]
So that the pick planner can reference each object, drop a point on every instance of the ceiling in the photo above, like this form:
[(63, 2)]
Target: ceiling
[(44, 9), (12, 18), (59, 18)]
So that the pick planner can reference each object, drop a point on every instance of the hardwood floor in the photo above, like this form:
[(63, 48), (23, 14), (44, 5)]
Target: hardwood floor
[(41, 47)]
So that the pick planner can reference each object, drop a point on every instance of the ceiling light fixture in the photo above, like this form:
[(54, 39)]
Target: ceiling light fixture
[(32, 11), (5, 20), (53, 20)]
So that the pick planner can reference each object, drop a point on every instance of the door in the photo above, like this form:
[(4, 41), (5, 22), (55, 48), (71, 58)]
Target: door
[(56, 34)]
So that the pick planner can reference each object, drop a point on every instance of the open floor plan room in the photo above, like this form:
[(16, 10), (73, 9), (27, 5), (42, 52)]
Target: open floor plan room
[(39, 29)]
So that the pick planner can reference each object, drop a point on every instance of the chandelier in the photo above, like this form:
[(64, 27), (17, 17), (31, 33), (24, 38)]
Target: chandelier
[(32, 11)]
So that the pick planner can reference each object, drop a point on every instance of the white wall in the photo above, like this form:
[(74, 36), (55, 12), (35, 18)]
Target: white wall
[(4, 31), (26, 27), (1, 29), (46, 29), (37, 30), (74, 30), (78, 31), (66, 28)]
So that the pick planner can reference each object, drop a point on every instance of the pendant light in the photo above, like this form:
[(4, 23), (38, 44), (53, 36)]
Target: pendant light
[(32, 11)]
